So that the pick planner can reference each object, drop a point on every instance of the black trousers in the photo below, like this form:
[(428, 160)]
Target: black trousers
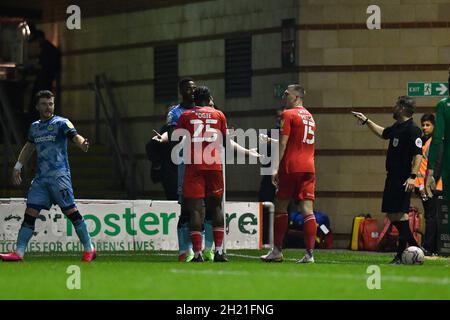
[(170, 183), (431, 224)]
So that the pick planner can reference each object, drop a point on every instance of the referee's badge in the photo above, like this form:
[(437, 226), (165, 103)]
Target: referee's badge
[(395, 142), (419, 143)]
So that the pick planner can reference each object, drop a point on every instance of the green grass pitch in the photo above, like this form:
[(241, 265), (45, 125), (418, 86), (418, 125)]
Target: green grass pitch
[(337, 274)]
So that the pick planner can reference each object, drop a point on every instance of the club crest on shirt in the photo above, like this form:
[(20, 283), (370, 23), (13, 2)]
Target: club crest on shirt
[(395, 142), (50, 127)]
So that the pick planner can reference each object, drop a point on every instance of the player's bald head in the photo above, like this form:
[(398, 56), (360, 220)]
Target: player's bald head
[(298, 89), (293, 95)]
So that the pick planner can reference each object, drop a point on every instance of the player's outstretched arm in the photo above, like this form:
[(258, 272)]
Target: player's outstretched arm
[(378, 130), (264, 138), (250, 152), (161, 138), (24, 155), (81, 142)]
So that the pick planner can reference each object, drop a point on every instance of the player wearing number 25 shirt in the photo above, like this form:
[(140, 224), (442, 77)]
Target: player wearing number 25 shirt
[(207, 129), (203, 178)]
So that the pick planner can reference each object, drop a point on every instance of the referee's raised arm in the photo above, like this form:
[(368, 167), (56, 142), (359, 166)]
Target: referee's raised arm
[(378, 130)]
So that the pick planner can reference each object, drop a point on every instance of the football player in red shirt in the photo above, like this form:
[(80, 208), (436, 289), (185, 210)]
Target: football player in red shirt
[(203, 179), (295, 177)]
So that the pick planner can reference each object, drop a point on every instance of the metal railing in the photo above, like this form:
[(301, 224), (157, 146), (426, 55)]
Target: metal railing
[(125, 159), (271, 207)]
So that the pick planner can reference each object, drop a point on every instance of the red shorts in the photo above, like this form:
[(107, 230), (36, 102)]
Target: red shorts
[(202, 183), (297, 185)]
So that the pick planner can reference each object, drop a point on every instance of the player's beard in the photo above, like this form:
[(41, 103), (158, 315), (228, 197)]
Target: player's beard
[(189, 99), (395, 115), (47, 114)]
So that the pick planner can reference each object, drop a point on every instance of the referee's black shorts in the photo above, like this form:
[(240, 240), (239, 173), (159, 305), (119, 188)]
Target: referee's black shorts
[(395, 199)]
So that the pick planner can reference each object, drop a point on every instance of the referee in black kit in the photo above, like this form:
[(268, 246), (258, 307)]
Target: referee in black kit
[(402, 164)]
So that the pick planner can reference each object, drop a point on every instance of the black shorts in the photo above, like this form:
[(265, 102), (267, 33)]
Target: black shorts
[(395, 199)]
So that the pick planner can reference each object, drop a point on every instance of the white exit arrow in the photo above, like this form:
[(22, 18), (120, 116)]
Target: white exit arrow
[(442, 89)]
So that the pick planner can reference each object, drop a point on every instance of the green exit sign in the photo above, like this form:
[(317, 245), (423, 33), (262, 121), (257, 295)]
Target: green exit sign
[(427, 89), (278, 90)]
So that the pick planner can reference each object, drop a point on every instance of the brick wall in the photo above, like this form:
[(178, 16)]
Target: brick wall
[(343, 65)]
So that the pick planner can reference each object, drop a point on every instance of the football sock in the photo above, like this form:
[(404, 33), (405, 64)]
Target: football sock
[(401, 246), (309, 232), (409, 235), (196, 237), (218, 238), (187, 238), (208, 234), (280, 228), (81, 230), (25, 234), (181, 233)]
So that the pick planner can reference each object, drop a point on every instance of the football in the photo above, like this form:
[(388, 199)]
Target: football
[(413, 255)]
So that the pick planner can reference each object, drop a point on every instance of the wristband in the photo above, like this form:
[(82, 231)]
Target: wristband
[(18, 166), (365, 121)]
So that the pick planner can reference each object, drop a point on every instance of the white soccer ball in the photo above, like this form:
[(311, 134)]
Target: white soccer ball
[(413, 255)]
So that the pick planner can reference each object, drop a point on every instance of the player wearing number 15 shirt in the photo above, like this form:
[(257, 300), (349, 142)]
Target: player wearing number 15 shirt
[(295, 177), (298, 124), (203, 178)]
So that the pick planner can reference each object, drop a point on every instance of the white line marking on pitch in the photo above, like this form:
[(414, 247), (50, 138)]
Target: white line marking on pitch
[(337, 276), (286, 259), (423, 280)]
